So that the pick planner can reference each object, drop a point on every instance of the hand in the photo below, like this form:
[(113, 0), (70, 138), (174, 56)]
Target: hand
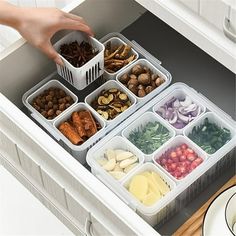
[(38, 25)]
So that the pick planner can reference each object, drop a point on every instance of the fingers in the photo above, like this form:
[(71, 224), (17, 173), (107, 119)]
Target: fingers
[(76, 24), (48, 49)]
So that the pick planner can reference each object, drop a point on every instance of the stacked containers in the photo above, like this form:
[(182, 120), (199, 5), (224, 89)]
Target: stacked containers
[(66, 72), (195, 181)]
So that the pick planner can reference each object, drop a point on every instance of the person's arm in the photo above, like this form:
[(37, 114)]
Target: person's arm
[(38, 25)]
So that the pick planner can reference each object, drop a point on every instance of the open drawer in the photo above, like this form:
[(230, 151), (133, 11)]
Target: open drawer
[(55, 177)]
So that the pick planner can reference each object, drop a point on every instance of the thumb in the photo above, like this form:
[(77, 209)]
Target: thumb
[(52, 53)]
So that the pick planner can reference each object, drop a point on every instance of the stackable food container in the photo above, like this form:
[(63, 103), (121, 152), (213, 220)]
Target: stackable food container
[(185, 189), (114, 134), (90, 71), (79, 152), (39, 88)]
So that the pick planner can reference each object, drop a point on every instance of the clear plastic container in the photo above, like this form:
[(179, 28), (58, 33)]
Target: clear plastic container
[(195, 182), (177, 141), (142, 121), (213, 118), (116, 142), (179, 94), (147, 211), (78, 151), (108, 85), (86, 74), (144, 62), (37, 90), (116, 41)]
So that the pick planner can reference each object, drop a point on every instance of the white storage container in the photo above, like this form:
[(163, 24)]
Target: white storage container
[(177, 141), (117, 142), (213, 118), (198, 179), (108, 85), (90, 71), (149, 212), (78, 151), (141, 122), (144, 62), (37, 90), (180, 94), (115, 41)]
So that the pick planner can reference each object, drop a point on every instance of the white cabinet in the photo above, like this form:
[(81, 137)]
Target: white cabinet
[(192, 4), (214, 11)]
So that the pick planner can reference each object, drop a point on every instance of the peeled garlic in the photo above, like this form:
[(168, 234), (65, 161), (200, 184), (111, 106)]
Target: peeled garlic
[(124, 155), (110, 165), (129, 168), (110, 154), (102, 161), (127, 162)]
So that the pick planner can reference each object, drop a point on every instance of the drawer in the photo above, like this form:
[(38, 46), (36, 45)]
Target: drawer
[(81, 198), (8, 149)]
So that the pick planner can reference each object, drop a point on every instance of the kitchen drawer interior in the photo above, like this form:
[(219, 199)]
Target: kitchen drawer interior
[(186, 63)]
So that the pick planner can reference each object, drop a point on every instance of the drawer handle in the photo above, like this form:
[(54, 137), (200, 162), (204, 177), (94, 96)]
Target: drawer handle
[(88, 226), (226, 28)]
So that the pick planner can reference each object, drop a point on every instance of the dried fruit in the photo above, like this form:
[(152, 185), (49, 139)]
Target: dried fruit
[(117, 57), (111, 103), (141, 80), (51, 102)]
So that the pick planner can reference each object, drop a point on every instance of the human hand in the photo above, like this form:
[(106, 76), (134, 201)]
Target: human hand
[(38, 25)]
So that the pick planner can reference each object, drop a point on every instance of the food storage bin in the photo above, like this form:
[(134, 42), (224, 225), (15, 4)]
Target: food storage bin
[(82, 76), (149, 213), (181, 95), (213, 118), (197, 180), (109, 85), (116, 142), (78, 151), (144, 62), (117, 42), (140, 123), (177, 141), (38, 89)]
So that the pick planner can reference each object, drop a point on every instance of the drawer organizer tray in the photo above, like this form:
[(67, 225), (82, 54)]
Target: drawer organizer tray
[(193, 183), (80, 153)]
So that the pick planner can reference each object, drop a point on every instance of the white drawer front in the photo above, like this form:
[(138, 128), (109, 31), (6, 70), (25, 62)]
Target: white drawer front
[(79, 212), (98, 228), (54, 189), (214, 12), (8, 148), (30, 167), (192, 4)]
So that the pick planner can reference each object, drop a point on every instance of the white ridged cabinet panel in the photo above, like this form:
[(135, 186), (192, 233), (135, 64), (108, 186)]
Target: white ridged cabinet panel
[(30, 167), (79, 212), (8, 148), (54, 189)]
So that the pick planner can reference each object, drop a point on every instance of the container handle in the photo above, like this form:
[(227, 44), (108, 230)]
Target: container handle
[(226, 28), (88, 226), (46, 126), (145, 53)]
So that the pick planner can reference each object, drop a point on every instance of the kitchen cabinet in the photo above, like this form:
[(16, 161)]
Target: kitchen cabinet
[(59, 181)]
